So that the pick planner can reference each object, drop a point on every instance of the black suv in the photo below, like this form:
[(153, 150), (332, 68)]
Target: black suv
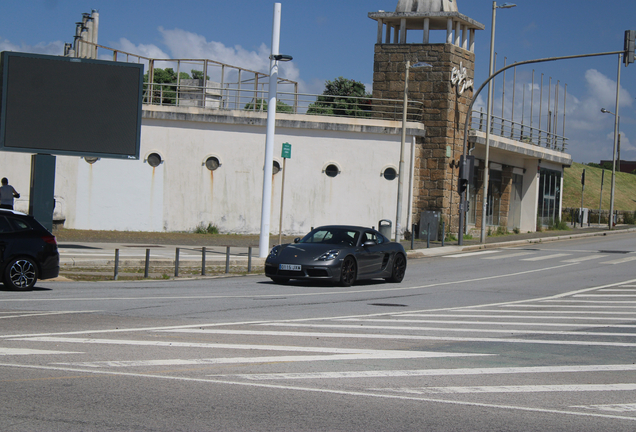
[(28, 251)]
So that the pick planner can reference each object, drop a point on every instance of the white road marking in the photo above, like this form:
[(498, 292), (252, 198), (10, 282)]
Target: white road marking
[(490, 323), (336, 353), (460, 339), (620, 261), (26, 351), (321, 390), (596, 302), (434, 372), (584, 258), (610, 407), (460, 315), (471, 254), (569, 388), (580, 306), (545, 257), (513, 255), (449, 329), (31, 314), (378, 355)]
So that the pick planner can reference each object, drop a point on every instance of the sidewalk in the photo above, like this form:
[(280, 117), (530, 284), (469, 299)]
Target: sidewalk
[(95, 260)]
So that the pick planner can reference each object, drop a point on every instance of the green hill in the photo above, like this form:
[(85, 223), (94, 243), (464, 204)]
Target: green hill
[(624, 194)]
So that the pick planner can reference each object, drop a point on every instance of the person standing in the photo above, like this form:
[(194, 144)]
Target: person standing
[(7, 193)]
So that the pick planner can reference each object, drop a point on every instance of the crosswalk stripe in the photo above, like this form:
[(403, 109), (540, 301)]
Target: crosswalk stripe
[(620, 261), (515, 389), (512, 255), (27, 351), (449, 338), (490, 323), (609, 407), (471, 254), (546, 315), (584, 258), (546, 257), (435, 372)]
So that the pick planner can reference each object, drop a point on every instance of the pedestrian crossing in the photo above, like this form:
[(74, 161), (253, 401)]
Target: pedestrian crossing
[(539, 255), (577, 357)]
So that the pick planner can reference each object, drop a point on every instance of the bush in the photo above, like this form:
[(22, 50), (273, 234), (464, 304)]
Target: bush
[(210, 229), (629, 218)]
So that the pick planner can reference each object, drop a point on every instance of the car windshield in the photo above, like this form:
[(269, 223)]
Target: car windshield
[(335, 236)]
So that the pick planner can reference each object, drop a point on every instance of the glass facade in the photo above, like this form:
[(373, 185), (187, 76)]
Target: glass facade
[(549, 197)]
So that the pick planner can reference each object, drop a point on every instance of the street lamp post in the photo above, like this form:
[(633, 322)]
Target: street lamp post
[(274, 58), (617, 141), (398, 214), (489, 119)]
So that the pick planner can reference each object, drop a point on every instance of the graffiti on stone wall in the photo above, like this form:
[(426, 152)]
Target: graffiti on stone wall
[(459, 78)]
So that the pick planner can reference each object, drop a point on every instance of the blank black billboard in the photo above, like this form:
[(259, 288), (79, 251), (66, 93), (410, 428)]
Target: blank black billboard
[(69, 106)]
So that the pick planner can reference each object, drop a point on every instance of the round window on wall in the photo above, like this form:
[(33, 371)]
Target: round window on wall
[(332, 170), (154, 160), (212, 163), (91, 160), (390, 174), (276, 168)]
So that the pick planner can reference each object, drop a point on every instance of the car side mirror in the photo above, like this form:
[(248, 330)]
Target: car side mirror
[(369, 243), (297, 239)]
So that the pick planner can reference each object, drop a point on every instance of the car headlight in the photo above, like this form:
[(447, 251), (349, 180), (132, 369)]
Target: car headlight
[(275, 250), (328, 256)]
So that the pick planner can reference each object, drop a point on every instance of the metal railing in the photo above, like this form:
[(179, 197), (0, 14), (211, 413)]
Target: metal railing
[(228, 97), (218, 86), (518, 131)]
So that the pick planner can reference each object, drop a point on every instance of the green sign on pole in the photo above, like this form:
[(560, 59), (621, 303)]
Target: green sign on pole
[(286, 151)]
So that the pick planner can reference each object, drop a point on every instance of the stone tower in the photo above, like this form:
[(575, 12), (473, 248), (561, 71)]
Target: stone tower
[(445, 90)]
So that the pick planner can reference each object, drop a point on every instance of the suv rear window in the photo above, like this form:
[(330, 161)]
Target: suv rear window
[(19, 224)]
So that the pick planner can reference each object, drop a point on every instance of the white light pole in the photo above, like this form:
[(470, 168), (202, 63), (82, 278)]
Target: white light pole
[(617, 120), (489, 116), (398, 214), (263, 245)]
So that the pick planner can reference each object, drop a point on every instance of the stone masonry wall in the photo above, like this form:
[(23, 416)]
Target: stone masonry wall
[(436, 155)]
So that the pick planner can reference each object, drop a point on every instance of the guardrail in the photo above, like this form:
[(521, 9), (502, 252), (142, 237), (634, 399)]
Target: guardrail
[(518, 131), (226, 97)]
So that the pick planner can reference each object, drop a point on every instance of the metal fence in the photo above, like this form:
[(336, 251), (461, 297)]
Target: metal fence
[(228, 97), (518, 131)]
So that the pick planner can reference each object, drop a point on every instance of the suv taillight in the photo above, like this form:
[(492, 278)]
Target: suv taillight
[(50, 239)]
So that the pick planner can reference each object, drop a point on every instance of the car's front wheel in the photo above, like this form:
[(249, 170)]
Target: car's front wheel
[(21, 274), (348, 272), (398, 269)]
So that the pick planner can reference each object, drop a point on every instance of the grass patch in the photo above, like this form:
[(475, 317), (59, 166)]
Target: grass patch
[(624, 194)]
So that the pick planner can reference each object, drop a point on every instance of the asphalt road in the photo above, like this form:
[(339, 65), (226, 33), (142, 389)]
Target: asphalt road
[(538, 337)]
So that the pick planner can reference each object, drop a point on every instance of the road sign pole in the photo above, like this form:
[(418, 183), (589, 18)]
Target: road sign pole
[(282, 197)]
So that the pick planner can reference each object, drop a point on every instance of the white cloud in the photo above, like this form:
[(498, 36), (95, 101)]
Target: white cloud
[(184, 44), (50, 48)]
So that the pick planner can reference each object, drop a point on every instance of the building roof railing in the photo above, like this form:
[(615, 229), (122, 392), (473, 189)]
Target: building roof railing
[(518, 131)]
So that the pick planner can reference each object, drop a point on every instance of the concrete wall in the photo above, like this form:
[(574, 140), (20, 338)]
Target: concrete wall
[(182, 193)]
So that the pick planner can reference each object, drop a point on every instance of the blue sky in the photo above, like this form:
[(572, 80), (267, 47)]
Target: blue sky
[(330, 38)]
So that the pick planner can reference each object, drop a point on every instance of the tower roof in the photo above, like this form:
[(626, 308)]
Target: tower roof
[(415, 11), (427, 6)]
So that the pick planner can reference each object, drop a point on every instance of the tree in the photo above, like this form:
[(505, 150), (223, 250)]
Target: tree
[(164, 94), (261, 105), (342, 97)]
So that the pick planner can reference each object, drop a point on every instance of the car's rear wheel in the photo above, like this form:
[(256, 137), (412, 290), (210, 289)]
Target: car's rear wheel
[(21, 274), (398, 269), (348, 272)]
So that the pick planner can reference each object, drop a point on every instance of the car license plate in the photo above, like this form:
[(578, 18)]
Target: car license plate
[(294, 267)]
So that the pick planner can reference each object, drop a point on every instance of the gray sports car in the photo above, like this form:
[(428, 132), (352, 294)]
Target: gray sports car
[(338, 253)]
